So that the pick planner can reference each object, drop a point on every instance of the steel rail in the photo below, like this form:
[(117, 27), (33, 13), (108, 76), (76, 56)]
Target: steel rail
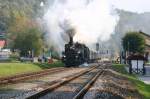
[(83, 91), (16, 78), (58, 84)]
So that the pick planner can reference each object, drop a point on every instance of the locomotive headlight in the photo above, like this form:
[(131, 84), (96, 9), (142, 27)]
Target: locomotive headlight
[(79, 52), (64, 56), (72, 48)]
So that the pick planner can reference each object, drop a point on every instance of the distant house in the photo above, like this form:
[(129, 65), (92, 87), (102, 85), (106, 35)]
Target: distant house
[(4, 53), (2, 41), (147, 39), (106, 52)]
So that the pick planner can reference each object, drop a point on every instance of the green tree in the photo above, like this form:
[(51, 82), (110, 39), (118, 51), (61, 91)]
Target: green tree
[(30, 8), (133, 42), (29, 41), (24, 34)]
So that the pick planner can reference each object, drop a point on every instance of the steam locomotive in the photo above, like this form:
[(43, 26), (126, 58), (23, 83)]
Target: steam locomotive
[(76, 54)]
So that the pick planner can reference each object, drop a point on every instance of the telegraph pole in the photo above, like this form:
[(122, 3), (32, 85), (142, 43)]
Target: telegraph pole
[(97, 50)]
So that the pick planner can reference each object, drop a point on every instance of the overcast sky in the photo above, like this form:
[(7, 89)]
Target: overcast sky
[(139, 6)]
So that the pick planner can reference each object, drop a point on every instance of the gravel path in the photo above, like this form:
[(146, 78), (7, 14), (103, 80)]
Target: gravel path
[(23, 89), (145, 78)]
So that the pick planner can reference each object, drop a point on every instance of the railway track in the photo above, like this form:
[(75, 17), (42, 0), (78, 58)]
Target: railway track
[(73, 87), (20, 77)]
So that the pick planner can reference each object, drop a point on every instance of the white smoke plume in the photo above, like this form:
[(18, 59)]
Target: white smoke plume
[(92, 20)]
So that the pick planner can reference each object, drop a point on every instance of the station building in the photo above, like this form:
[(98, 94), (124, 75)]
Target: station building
[(147, 39), (4, 53)]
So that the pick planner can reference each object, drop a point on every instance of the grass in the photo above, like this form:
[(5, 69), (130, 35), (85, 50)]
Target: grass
[(120, 68), (143, 88), (148, 63), (47, 65), (8, 69)]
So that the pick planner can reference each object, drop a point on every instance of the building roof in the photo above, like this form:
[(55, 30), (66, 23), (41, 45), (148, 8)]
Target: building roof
[(144, 34), (2, 36), (136, 57)]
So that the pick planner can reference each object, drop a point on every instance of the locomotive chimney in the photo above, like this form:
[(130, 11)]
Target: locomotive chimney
[(71, 33), (71, 39)]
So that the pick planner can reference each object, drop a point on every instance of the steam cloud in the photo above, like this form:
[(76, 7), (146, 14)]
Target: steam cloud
[(92, 20)]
